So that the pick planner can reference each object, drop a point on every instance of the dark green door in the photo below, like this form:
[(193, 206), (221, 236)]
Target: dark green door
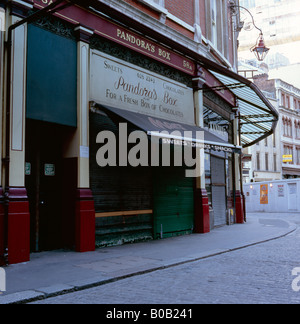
[(173, 202)]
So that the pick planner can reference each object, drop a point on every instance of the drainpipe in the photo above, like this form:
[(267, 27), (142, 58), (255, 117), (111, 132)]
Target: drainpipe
[(241, 171), (6, 160)]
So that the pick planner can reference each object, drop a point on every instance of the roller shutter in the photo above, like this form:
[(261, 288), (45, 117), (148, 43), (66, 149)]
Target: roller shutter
[(218, 179), (122, 195)]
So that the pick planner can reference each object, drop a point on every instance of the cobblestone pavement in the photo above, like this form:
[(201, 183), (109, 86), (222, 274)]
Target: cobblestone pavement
[(257, 274)]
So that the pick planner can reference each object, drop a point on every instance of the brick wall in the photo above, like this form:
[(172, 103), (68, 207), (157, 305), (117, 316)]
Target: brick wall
[(203, 17), (184, 10), (180, 29)]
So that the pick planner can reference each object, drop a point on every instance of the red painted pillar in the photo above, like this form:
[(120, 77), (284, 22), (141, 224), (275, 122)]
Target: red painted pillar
[(18, 226), (85, 221), (2, 229), (202, 219), (239, 207)]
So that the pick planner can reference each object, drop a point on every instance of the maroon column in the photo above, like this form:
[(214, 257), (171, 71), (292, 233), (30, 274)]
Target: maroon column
[(239, 207), (2, 229), (18, 235), (85, 221), (202, 220)]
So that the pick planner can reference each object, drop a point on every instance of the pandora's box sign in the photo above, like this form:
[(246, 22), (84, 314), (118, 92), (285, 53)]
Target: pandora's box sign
[(119, 84)]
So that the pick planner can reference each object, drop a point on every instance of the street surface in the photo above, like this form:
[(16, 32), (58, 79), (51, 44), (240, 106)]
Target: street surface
[(267, 273)]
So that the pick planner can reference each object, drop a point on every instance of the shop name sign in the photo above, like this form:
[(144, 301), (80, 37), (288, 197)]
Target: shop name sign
[(151, 49), (121, 85)]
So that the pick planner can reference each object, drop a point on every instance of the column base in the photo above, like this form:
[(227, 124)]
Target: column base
[(202, 219), (239, 208), (85, 240), (18, 236), (2, 229)]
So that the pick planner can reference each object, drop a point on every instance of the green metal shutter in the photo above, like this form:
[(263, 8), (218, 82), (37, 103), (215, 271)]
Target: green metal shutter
[(173, 202)]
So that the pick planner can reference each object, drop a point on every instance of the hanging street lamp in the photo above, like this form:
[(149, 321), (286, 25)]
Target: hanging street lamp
[(259, 49)]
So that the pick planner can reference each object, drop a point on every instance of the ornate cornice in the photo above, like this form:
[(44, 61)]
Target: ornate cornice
[(57, 26)]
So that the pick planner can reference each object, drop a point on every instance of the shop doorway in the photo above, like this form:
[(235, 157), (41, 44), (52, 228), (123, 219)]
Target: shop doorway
[(46, 174)]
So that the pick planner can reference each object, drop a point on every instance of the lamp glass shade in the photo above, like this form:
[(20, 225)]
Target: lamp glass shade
[(260, 50)]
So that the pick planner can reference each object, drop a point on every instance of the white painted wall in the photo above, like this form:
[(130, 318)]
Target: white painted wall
[(283, 196)]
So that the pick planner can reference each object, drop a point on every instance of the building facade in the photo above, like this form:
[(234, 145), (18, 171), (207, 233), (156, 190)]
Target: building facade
[(94, 94), (277, 157)]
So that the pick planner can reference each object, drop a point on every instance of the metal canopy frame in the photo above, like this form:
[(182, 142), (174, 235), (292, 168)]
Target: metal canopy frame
[(258, 118)]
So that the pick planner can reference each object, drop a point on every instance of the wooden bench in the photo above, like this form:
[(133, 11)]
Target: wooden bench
[(124, 213)]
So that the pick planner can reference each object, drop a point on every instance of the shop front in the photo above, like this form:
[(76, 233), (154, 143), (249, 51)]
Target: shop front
[(149, 194), (137, 198), (116, 133)]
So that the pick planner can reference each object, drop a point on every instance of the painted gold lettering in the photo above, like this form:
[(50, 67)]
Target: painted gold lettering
[(166, 55), (138, 42)]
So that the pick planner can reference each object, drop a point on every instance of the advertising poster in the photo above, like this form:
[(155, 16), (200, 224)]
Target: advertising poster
[(264, 199)]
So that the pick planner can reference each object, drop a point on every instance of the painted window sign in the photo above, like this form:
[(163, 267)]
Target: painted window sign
[(135, 89), (264, 194), (49, 170)]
